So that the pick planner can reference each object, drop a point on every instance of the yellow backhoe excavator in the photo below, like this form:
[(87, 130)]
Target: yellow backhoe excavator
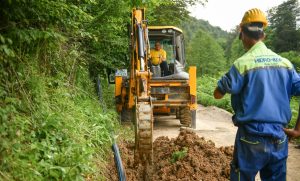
[(144, 92)]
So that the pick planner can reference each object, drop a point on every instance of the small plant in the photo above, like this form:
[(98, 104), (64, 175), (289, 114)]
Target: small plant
[(178, 155)]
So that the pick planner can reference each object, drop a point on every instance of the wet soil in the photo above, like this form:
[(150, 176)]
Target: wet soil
[(213, 124), (187, 157)]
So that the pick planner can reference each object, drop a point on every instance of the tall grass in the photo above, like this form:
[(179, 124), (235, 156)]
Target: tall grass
[(206, 86), (52, 126)]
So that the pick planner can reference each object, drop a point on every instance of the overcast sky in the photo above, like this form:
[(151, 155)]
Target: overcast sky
[(228, 13)]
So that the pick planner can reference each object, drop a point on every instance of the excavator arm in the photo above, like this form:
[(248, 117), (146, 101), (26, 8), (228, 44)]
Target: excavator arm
[(133, 92)]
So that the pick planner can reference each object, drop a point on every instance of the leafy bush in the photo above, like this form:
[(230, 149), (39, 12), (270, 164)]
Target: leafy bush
[(205, 53), (206, 87), (52, 126), (51, 129), (294, 57)]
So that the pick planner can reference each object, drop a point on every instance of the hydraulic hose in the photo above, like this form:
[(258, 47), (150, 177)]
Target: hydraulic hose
[(118, 161), (141, 46)]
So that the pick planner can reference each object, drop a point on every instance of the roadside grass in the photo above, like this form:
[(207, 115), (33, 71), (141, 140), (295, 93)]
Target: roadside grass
[(52, 129), (206, 86)]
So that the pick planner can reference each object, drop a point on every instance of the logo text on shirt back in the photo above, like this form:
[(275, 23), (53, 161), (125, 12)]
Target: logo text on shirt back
[(267, 60)]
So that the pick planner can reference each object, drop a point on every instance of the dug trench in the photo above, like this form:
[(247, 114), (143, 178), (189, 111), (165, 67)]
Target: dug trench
[(181, 154), (186, 157)]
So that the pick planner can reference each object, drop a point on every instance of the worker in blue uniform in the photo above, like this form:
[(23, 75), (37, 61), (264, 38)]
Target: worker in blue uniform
[(261, 84)]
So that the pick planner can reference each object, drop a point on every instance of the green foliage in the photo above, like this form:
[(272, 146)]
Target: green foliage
[(107, 44), (51, 124), (178, 155), (237, 50), (206, 54), (229, 42), (206, 87), (294, 57), (192, 25), (51, 129), (30, 24), (169, 12), (283, 24), (294, 107)]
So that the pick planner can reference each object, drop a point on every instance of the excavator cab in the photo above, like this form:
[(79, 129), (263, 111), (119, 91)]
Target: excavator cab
[(176, 92), (172, 41)]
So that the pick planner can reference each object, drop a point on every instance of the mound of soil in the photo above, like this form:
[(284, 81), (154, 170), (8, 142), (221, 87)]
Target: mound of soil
[(187, 157)]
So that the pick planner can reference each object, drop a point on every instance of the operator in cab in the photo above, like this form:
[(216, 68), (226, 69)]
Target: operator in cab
[(159, 57)]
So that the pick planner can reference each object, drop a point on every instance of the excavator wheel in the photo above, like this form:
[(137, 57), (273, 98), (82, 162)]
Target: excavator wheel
[(143, 133), (185, 116)]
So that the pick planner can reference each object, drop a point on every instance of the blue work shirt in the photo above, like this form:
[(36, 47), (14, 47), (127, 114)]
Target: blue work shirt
[(261, 84)]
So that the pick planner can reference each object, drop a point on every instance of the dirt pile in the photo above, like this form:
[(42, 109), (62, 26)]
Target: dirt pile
[(187, 157)]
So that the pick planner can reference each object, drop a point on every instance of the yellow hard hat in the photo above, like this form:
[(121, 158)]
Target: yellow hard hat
[(254, 15)]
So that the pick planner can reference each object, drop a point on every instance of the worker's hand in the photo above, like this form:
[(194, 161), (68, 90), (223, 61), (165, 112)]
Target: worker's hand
[(292, 133), (160, 59), (218, 94)]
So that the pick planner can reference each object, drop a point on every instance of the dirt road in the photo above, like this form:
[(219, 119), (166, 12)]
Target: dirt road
[(215, 124)]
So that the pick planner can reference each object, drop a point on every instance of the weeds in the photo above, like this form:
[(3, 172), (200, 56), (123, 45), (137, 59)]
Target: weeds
[(52, 128), (178, 155), (206, 87)]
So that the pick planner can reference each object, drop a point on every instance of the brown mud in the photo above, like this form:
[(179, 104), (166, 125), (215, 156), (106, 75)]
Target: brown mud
[(199, 160), (213, 124)]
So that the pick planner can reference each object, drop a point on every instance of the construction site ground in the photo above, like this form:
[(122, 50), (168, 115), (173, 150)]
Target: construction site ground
[(215, 124), (204, 159)]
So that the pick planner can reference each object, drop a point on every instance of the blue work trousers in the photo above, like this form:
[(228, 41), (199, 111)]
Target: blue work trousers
[(257, 153)]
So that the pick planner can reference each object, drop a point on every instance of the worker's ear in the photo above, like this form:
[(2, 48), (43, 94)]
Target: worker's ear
[(263, 36)]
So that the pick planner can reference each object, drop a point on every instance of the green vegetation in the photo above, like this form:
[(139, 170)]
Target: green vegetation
[(294, 57), (192, 25), (206, 87), (178, 155), (284, 33), (168, 12), (204, 52), (52, 126)]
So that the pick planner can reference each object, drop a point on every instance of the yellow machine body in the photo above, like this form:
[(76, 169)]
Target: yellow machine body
[(139, 94)]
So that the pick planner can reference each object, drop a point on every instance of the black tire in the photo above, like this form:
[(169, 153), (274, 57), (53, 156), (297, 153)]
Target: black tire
[(185, 116)]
